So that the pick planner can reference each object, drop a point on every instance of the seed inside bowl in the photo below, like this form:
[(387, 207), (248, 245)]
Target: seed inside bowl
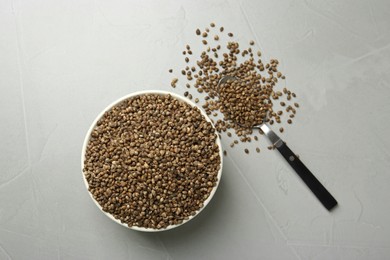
[(152, 161)]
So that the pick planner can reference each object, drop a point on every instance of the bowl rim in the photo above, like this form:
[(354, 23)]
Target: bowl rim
[(140, 93)]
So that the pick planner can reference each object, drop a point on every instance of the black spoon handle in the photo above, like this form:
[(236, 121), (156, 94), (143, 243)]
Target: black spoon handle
[(311, 181)]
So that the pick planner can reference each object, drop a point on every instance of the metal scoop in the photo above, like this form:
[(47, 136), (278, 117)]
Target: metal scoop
[(311, 181)]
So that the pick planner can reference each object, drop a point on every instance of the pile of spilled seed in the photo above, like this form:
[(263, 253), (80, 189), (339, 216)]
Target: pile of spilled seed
[(253, 95), (152, 161)]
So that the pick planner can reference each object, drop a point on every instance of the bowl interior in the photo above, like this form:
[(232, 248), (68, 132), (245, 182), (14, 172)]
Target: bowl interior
[(86, 141)]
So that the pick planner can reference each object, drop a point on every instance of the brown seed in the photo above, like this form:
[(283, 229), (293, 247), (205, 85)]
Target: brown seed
[(221, 29), (197, 32), (289, 121), (293, 94), (224, 153), (229, 134), (257, 149), (204, 34), (188, 47), (196, 100), (246, 151), (282, 104), (212, 24), (256, 138), (204, 42), (174, 82), (281, 129), (230, 34), (170, 70), (127, 196), (296, 105), (216, 37), (251, 42), (207, 30)]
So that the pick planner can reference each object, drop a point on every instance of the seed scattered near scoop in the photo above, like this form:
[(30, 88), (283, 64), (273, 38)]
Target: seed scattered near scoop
[(246, 101), (152, 161)]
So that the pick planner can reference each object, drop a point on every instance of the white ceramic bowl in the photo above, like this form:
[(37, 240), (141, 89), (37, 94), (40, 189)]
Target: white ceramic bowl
[(86, 140)]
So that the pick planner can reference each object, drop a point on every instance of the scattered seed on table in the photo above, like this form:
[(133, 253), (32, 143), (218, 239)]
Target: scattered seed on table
[(188, 85), (296, 105), (196, 100), (216, 37), (232, 145), (224, 152), (183, 72), (186, 93), (278, 74), (293, 94), (256, 138), (289, 121), (229, 134), (189, 52), (174, 82), (251, 42), (207, 29), (257, 149), (281, 129), (246, 151), (235, 141), (187, 59), (188, 47), (221, 29), (204, 34), (170, 70), (197, 32), (212, 24), (204, 42), (282, 104), (259, 53), (230, 34), (291, 115), (184, 52), (270, 147)]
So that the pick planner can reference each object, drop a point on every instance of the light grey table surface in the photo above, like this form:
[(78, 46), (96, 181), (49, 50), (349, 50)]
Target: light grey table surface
[(62, 62)]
